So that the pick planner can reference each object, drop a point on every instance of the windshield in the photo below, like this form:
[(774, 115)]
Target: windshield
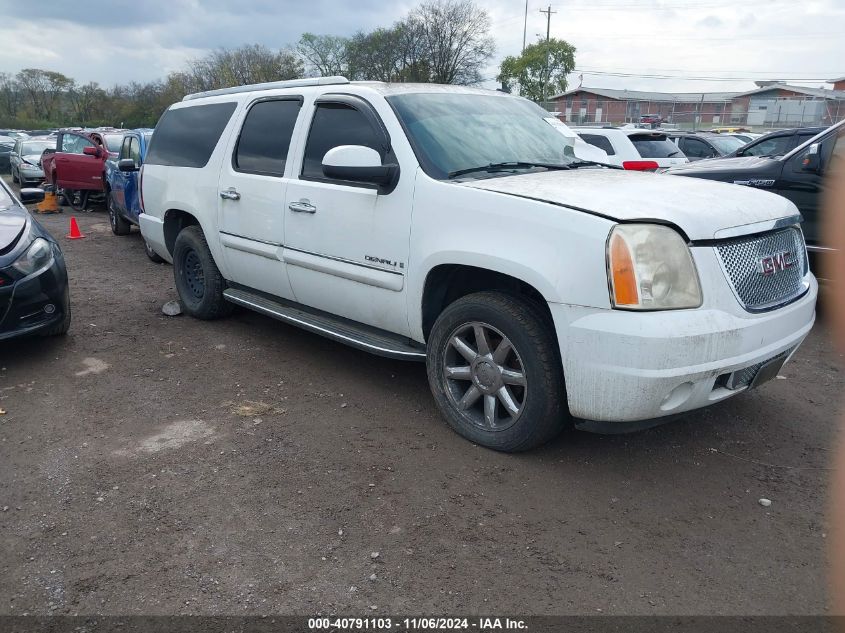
[(454, 132), (36, 147), (725, 144), (113, 141)]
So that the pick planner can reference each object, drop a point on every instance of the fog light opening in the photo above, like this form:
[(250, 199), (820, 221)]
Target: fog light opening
[(49, 308), (678, 396)]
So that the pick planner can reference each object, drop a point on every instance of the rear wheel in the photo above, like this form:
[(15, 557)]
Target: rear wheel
[(495, 373), (198, 280), (119, 224)]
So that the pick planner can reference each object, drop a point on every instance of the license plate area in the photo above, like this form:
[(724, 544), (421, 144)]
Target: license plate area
[(754, 375)]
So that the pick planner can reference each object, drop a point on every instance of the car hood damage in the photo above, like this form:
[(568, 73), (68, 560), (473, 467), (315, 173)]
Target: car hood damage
[(700, 208)]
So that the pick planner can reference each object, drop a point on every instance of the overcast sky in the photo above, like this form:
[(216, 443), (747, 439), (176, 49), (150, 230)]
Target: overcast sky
[(116, 41)]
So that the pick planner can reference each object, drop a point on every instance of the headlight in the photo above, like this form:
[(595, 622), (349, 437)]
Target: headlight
[(651, 268), (37, 256)]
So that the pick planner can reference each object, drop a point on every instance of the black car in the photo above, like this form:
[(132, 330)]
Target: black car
[(7, 143), (778, 143), (798, 175), (701, 145), (34, 297)]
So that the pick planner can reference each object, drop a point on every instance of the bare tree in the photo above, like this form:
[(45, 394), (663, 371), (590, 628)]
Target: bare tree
[(324, 55), (10, 95), (240, 66), (456, 38)]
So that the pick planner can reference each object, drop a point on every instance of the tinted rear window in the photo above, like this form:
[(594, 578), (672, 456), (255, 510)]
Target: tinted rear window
[(265, 136), (602, 142), (655, 147), (186, 137)]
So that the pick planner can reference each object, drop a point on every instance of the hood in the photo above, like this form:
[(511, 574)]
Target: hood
[(35, 159), (737, 164), (700, 208), (12, 224)]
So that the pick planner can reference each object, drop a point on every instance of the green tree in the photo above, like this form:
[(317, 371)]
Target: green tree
[(324, 55), (541, 70)]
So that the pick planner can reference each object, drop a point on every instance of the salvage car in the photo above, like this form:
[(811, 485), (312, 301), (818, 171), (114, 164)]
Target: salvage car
[(777, 143), (25, 159), (34, 296), (77, 166), (123, 196), (701, 145), (455, 226), (633, 148)]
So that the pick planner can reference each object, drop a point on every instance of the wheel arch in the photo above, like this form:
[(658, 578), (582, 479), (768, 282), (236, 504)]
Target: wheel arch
[(445, 283), (174, 221)]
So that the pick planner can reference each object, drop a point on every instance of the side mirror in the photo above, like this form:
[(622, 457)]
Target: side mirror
[(358, 164), (811, 160), (127, 164), (88, 150), (32, 195)]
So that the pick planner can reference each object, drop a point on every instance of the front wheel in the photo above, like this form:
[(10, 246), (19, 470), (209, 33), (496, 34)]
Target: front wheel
[(495, 373), (198, 280)]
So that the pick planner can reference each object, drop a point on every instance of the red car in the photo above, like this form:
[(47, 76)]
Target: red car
[(78, 165)]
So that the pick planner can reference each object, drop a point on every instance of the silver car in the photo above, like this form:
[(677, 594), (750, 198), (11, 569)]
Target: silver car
[(25, 159)]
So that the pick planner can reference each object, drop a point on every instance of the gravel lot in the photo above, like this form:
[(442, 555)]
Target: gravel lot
[(153, 464)]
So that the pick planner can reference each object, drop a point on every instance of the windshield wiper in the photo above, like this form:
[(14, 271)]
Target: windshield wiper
[(591, 163), (505, 166), (673, 154)]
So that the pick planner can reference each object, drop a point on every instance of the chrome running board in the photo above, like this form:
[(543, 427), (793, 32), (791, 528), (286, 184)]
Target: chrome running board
[(342, 330)]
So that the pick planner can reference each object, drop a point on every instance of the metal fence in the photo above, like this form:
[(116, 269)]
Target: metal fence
[(756, 114)]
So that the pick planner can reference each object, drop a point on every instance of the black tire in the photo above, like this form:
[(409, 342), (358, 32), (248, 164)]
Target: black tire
[(119, 224), (198, 280), (542, 410), (78, 203), (152, 254)]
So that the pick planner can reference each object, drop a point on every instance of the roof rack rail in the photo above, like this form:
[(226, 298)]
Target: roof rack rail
[(270, 85)]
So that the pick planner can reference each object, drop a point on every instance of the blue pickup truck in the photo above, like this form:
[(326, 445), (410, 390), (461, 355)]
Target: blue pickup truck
[(123, 190)]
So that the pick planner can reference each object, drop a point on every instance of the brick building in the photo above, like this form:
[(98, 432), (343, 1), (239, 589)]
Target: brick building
[(771, 104)]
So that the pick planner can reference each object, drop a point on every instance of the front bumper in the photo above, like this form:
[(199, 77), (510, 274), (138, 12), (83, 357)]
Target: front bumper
[(31, 173), (628, 366), (36, 302)]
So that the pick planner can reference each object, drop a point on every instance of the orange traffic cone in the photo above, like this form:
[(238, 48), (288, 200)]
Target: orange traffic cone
[(75, 233)]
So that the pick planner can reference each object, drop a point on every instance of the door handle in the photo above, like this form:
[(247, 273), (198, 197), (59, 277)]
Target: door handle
[(303, 206), (230, 194)]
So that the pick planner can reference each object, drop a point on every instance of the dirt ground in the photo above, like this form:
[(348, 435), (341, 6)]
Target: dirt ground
[(163, 465)]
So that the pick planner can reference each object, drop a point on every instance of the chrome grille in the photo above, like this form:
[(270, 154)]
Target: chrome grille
[(743, 263)]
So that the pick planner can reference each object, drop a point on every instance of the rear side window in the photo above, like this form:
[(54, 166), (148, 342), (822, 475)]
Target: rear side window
[(655, 147), (602, 142), (336, 124), (186, 137), (265, 137)]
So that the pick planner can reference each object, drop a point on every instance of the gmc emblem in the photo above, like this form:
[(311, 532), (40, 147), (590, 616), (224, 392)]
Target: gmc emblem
[(776, 262)]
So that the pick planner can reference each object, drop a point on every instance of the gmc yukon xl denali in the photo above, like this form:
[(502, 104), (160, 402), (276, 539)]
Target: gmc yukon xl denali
[(456, 226)]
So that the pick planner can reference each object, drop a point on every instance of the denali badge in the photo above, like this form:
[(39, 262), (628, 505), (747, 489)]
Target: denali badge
[(776, 262)]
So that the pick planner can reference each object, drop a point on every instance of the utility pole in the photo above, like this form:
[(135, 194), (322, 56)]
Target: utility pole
[(525, 26), (548, 13)]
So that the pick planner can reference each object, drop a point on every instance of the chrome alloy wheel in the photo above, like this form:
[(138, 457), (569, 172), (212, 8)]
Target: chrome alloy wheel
[(484, 377)]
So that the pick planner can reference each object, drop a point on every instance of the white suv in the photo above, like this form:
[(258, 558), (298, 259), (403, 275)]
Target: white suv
[(455, 226), (634, 148)]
